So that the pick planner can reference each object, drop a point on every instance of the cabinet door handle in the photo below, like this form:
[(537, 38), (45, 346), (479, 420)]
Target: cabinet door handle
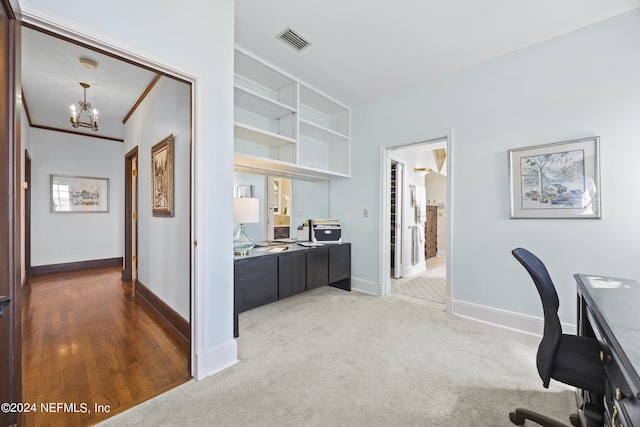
[(614, 416)]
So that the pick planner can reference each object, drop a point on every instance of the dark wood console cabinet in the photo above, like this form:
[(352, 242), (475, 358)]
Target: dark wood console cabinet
[(317, 267), (268, 277), (291, 274), (256, 282), (340, 266)]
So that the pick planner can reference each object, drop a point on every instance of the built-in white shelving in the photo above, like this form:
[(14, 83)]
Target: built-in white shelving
[(285, 127)]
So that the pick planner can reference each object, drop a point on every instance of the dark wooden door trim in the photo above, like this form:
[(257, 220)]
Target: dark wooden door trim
[(10, 228), (27, 212), (127, 270)]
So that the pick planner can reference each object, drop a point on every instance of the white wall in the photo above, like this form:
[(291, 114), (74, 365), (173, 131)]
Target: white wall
[(58, 238), (164, 242), (581, 84), (309, 199), (196, 39), (257, 231)]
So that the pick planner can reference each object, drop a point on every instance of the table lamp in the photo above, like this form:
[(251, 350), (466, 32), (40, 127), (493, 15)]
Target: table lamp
[(246, 210)]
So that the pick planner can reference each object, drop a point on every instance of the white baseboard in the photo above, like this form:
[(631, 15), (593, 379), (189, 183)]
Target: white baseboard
[(503, 318), (218, 359), (366, 286)]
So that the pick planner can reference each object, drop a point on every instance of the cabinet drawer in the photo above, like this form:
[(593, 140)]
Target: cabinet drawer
[(256, 283), (253, 266), (620, 399)]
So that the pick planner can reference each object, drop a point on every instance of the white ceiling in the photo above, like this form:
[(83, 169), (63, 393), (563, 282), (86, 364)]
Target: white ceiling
[(362, 49), (51, 76)]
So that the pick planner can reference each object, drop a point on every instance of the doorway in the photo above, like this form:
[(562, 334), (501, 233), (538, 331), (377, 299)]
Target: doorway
[(128, 193), (426, 172), (130, 259), (10, 304)]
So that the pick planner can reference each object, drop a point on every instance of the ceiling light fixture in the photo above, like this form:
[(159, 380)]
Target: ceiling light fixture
[(422, 171), (84, 106), (88, 62)]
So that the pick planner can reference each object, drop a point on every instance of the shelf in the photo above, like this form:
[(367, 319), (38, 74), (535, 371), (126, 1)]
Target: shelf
[(283, 127), (259, 165), (261, 76), (323, 112), (320, 103), (320, 133), (258, 104), (259, 136)]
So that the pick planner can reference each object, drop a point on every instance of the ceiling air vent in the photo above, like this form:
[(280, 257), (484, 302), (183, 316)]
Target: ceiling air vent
[(293, 39)]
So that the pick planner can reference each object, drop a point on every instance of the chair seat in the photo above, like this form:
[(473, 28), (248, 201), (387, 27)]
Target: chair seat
[(578, 364)]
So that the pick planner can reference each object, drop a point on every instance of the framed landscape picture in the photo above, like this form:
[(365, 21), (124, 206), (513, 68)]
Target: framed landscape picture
[(79, 194), (560, 180), (162, 177)]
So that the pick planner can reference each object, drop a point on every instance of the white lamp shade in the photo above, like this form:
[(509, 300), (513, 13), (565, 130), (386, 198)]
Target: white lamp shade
[(246, 210)]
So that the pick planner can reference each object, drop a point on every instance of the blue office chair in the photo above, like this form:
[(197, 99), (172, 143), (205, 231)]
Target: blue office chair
[(571, 359)]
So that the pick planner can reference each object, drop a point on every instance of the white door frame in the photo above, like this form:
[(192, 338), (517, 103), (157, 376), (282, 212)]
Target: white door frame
[(384, 262), (42, 20)]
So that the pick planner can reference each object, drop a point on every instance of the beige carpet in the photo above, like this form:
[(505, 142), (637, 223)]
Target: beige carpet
[(335, 358)]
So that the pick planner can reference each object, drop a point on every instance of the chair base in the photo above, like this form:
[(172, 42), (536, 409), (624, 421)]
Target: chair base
[(521, 415)]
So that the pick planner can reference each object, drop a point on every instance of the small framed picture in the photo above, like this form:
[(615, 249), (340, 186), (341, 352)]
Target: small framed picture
[(559, 180), (245, 191), (79, 194)]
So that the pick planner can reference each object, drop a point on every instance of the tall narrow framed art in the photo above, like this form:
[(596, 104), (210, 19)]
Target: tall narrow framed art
[(162, 177)]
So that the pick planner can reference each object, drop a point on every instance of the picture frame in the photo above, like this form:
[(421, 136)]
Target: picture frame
[(245, 191), (558, 180), (162, 178), (78, 194)]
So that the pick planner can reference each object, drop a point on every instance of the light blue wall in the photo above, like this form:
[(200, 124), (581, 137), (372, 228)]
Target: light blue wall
[(58, 238), (164, 242), (196, 38), (581, 84), (256, 231), (308, 200)]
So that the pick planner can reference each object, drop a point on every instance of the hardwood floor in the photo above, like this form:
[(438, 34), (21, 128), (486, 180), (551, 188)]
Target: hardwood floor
[(87, 341)]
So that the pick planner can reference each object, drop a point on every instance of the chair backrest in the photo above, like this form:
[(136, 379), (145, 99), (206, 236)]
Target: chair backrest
[(548, 348)]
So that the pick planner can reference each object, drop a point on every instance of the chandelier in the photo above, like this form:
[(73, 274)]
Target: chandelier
[(92, 122)]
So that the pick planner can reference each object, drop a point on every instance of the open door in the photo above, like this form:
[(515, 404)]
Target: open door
[(10, 228)]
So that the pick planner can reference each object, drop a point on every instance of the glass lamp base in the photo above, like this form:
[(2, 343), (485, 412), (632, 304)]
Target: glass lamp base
[(242, 243)]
